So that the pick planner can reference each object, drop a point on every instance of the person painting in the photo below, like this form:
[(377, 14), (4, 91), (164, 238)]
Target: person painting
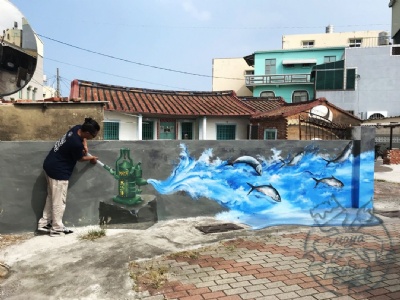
[(58, 166)]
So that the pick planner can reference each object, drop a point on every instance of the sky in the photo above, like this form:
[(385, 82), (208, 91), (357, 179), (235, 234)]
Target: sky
[(170, 44)]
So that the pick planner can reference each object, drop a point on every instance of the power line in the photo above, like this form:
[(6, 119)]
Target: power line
[(119, 76), (134, 62)]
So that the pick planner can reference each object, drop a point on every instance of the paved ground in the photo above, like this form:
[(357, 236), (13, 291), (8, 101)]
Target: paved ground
[(281, 262), (281, 267)]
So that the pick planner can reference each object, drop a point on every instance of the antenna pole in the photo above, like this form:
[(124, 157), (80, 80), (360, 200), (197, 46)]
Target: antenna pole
[(58, 84)]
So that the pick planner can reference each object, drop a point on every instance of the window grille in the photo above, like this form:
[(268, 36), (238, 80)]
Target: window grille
[(111, 131), (270, 134), (267, 94), (299, 96), (187, 131), (270, 66), (226, 132), (148, 131)]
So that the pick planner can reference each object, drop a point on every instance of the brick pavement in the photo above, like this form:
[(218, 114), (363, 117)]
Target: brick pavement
[(307, 263)]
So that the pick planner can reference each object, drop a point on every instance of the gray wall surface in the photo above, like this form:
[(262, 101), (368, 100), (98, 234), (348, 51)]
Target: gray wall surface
[(23, 184), (377, 86)]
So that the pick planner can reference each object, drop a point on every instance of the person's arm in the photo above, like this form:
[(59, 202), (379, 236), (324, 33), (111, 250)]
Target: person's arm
[(91, 158), (85, 147)]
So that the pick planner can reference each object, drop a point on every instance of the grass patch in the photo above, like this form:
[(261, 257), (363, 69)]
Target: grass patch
[(93, 234), (190, 254), (11, 239), (148, 276)]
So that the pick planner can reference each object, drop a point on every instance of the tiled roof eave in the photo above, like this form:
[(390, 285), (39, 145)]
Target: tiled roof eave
[(180, 114), (167, 103)]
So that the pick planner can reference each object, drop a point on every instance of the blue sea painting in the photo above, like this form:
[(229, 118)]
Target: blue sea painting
[(303, 188)]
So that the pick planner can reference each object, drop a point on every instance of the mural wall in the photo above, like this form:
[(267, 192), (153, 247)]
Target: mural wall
[(262, 191), (258, 183)]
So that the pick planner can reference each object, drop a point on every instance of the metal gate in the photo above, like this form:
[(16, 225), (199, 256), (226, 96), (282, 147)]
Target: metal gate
[(318, 128)]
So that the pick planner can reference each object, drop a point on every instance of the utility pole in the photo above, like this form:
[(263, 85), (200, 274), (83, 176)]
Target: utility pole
[(58, 84)]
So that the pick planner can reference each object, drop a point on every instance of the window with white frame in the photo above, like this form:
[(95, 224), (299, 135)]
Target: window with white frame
[(355, 43), (328, 59), (266, 94), (270, 66), (299, 96), (270, 134), (307, 44)]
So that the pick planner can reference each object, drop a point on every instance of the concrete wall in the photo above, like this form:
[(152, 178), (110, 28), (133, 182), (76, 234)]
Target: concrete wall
[(44, 121), (198, 178)]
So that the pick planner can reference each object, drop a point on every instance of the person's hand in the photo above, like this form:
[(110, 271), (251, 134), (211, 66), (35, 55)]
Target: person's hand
[(94, 160)]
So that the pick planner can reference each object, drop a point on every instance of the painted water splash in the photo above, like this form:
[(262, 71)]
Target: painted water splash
[(303, 188)]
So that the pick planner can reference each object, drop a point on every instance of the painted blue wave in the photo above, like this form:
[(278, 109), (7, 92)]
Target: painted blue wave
[(303, 181)]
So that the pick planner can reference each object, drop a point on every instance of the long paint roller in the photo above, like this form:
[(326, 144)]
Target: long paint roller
[(98, 161)]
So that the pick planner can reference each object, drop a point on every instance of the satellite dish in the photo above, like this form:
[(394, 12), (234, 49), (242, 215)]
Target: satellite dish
[(321, 112), (18, 49)]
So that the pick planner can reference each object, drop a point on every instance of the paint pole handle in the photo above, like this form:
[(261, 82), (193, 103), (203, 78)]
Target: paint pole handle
[(99, 162)]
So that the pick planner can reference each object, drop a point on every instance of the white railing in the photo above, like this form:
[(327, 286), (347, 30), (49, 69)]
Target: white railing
[(386, 139), (252, 80)]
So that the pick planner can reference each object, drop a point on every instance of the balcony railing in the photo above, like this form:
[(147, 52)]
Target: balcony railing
[(254, 80)]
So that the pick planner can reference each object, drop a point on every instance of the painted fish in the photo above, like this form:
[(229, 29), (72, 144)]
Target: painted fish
[(330, 181), (294, 161), (250, 161), (267, 190), (343, 156)]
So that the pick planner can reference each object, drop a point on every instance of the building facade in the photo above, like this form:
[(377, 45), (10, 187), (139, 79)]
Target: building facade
[(370, 38), (287, 73), (395, 6), (143, 114), (376, 92), (229, 74)]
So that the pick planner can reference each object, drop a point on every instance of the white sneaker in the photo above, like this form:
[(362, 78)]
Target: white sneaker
[(63, 232)]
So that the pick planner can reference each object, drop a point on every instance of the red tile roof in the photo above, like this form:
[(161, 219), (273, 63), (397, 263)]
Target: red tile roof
[(289, 109), (261, 104), (160, 102)]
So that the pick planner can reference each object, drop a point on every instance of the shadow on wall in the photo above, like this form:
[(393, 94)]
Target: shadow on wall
[(38, 199), (39, 191)]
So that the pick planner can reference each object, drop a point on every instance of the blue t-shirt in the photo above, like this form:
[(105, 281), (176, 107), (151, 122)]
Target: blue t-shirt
[(62, 158)]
